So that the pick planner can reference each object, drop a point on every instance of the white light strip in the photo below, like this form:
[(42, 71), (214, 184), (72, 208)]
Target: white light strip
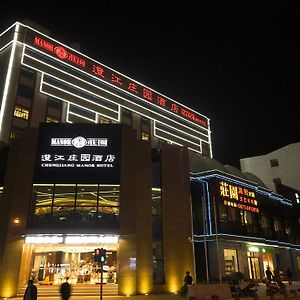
[(116, 72), (172, 142), (74, 95), (95, 103), (109, 92), (186, 120), (68, 102), (82, 117), (71, 239), (6, 45), (43, 239), (8, 78), (93, 239), (179, 137), (16, 23)]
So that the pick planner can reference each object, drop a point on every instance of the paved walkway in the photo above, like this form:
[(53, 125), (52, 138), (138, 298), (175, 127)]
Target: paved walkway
[(261, 292)]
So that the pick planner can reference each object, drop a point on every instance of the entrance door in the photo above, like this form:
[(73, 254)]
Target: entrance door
[(253, 265)]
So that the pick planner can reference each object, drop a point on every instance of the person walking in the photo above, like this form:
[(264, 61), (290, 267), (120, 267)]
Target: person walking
[(188, 279), (269, 274), (31, 291), (65, 290), (289, 275)]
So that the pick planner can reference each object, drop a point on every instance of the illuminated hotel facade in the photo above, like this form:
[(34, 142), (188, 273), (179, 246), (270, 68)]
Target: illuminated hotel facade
[(96, 159)]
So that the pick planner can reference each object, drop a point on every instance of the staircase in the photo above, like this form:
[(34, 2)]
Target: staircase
[(109, 289)]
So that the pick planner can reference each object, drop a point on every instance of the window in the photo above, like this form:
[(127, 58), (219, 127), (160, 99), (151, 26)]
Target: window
[(50, 119), (21, 112), (277, 225), (103, 120), (274, 163), (231, 261), (84, 204), (126, 117), (298, 262), (277, 181), (145, 136), (15, 132)]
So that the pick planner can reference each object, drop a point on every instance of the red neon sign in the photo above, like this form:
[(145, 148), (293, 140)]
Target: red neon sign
[(121, 82), (60, 51)]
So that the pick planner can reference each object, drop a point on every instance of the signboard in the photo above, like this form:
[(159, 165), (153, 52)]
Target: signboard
[(114, 78), (78, 153), (237, 196)]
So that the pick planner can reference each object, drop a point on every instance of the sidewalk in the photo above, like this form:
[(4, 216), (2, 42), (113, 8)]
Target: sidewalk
[(261, 291)]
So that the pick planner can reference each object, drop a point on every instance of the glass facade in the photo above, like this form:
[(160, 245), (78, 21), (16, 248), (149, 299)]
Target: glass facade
[(69, 204), (157, 231)]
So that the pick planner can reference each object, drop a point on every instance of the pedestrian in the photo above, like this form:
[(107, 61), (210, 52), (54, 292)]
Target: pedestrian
[(188, 279), (65, 290), (31, 291), (269, 274), (289, 275)]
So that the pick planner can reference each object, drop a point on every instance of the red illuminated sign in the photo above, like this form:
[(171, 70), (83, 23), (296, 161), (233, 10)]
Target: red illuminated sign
[(121, 82), (60, 51)]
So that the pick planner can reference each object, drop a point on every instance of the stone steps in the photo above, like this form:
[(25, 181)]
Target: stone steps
[(109, 289)]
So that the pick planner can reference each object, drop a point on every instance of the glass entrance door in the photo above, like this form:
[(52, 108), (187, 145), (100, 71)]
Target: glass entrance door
[(253, 265)]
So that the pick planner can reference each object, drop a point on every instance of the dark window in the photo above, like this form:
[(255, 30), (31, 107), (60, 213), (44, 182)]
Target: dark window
[(25, 91), (274, 163), (277, 180)]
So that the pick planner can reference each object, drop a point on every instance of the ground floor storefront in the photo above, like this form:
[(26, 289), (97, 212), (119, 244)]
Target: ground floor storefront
[(224, 257), (50, 260)]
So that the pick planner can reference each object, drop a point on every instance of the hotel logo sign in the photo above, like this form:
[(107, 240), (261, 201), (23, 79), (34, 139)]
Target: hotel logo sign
[(79, 142), (72, 153), (60, 51)]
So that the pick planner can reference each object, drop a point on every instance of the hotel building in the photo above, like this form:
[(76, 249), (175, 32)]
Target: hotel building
[(91, 158)]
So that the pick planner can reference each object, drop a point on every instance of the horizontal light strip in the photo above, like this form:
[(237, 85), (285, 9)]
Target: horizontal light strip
[(109, 92), (80, 116), (10, 28), (6, 45), (71, 239), (178, 137), (250, 238), (43, 239), (117, 72), (93, 239), (249, 185)]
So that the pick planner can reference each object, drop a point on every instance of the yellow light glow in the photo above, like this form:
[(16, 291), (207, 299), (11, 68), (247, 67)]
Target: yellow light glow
[(253, 249), (16, 221)]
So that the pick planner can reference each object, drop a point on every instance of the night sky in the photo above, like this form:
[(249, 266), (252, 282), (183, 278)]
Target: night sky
[(238, 65)]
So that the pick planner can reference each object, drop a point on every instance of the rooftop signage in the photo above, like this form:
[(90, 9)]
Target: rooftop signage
[(114, 78)]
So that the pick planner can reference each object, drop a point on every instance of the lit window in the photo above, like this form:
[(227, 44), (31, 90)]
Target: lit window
[(51, 120), (104, 120), (145, 136), (21, 113)]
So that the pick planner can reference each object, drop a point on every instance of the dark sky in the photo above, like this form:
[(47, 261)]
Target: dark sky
[(238, 65)]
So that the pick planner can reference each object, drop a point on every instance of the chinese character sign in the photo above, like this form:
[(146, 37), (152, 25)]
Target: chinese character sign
[(78, 153), (237, 196)]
